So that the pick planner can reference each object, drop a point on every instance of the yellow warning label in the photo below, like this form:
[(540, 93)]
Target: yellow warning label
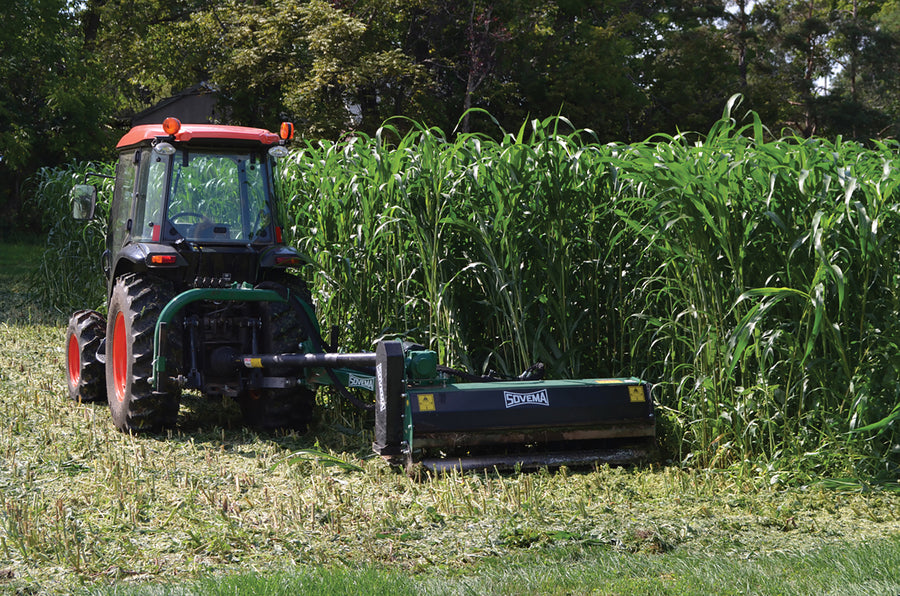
[(252, 363), (426, 402), (636, 393)]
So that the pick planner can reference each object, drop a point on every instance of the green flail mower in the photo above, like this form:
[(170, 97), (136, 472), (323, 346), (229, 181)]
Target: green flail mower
[(200, 298)]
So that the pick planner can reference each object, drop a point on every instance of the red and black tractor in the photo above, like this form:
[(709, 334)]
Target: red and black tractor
[(193, 208)]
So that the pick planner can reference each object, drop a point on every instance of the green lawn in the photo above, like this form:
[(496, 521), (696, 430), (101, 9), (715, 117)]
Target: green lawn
[(863, 569), (17, 264)]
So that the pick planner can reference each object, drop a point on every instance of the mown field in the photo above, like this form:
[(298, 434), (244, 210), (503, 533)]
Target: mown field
[(213, 508), (755, 282)]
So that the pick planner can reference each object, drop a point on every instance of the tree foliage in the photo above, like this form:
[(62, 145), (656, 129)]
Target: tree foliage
[(76, 71), (48, 107)]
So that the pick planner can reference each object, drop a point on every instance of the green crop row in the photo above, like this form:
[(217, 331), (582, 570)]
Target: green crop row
[(70, 276), (755, 282)]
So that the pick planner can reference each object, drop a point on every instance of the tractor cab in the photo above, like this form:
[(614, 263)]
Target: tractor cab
[(194, 201)]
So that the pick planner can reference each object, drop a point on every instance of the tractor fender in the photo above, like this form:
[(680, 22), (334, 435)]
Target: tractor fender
[(136, 258), (280, 256)]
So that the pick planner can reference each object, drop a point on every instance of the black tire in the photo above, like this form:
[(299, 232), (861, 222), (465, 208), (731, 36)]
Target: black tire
[(290, 408), (134, 308), (84, 370)]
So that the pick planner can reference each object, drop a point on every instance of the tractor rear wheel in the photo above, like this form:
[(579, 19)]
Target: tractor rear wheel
[(288, 408), (84, 370), (134, 308)]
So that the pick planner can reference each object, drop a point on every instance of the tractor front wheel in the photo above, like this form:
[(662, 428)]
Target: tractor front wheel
[(84, 370), (134, 308)]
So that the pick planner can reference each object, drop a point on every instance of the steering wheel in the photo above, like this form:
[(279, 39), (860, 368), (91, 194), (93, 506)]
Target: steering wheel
[(172, 218)]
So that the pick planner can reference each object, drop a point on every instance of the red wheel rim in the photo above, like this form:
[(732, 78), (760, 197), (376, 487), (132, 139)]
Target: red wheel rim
[(120, 358), (73, 356)]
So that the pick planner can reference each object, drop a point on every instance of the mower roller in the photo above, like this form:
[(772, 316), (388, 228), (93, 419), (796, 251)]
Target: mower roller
[(200, 298)]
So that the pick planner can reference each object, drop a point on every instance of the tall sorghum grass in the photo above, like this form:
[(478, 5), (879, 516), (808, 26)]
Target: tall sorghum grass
[(753, 280), (70, 275), (775, 291), (496, 254)]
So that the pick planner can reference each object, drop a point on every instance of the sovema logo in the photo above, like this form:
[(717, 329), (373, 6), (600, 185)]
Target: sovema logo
[(361, 382), (536, 398)]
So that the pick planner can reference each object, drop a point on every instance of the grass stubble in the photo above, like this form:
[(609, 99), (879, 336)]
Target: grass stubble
[(213, 508)]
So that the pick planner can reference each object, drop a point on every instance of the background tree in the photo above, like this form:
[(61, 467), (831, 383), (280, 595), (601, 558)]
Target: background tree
[(361, 72), (796, 35), (578, 59), (259, 51), (860, 102), (49, 109), (690, 71), (75, 72), (150, 49)]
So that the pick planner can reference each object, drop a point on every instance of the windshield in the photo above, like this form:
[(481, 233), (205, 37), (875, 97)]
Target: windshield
[(218, 197)]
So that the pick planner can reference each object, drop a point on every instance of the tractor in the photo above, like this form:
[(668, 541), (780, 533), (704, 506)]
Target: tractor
[(201, 296), (193, 207)]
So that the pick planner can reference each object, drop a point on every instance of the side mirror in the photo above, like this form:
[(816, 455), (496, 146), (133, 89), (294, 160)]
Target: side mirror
[(84, 200)]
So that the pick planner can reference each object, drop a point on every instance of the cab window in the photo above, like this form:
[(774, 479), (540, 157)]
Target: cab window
[(120, 219), (149, 203), (217, 197)]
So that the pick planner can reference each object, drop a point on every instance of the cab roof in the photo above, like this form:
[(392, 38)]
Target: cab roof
[(188, 132)]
